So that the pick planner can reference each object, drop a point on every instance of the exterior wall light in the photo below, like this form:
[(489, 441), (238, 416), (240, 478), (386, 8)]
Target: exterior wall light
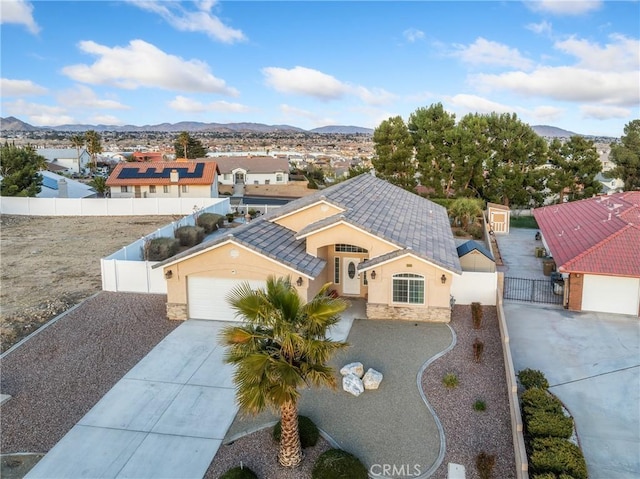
[(299, 282), (443, 279), (373, 274), (168, 274)]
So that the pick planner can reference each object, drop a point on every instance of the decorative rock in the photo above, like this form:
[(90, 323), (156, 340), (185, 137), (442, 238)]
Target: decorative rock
[(372, 379), (352, 384), (356, 369)]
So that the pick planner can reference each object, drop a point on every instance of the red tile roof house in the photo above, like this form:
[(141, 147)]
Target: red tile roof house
[(596, 245), (166, 179)]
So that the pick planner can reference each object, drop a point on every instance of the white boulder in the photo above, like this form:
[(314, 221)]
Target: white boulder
[(372, 379), (356, 369), (352, 384)]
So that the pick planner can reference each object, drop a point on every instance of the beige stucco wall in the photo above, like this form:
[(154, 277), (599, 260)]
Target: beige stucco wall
[(302, 218), (346, 234), (477, 262), (228, 261)]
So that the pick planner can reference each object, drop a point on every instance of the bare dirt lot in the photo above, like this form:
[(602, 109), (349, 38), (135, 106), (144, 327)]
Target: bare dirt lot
[(48, 264)]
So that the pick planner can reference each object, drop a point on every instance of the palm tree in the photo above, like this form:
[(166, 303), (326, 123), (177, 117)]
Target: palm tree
[(77, 141), (183, 140), (281, 347), (94, 146)]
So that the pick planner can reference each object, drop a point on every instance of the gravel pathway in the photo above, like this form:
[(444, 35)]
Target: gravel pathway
[(60, 373)]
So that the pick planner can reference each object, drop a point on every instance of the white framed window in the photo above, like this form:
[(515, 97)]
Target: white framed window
[(227, 176), (165, 189), (408, 288), (279, 178), (336, 270), (123, 189), (349, 248), (152, 188), (185, 188)]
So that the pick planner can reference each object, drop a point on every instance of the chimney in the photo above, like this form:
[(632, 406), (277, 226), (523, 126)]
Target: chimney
[(63, 190), (173, 176)]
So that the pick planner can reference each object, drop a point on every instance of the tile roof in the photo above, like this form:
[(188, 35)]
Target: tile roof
[(158, 173), (252, 164), (597, 235)]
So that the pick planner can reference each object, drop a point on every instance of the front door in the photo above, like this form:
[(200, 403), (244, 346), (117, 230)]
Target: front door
[(239, 177), (136, 190), (351, 279)]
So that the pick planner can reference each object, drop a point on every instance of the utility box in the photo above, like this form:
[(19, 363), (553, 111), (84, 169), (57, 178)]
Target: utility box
[(548, 266)]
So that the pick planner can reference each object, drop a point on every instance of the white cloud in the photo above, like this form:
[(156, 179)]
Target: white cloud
[(199, 20), (105, 120), (412, 35), (622, 54), (141, 64), (547, 113), (375, 96), (82, 96), (567, 84), (305, 81), (293, 112), (181, 103), (477, 104), (600, 112), (486, 52), (20, 12), (9, 88), (543, 27), (39, 114), (564, 7)]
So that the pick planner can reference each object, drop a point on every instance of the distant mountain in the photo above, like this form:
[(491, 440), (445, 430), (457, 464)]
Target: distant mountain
[(13, 124), (336, 129), (553, 132)]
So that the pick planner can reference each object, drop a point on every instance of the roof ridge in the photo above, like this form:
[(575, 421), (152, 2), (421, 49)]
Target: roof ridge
[(598, 245)]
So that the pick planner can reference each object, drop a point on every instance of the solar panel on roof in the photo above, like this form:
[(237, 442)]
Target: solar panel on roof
[(154, 172)]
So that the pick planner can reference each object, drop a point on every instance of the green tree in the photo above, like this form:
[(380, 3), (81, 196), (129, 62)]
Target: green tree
[(626, 157), (20, 171), (465, 211), (77, 141), (513, 173), (575, 165), (94, 146), (393, 159), (193, 149), (99, 183), (469, 152), (433, 132), (281, 347), (358, 170)]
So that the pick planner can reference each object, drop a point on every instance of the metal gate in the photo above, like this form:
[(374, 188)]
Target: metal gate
[(533, 290)]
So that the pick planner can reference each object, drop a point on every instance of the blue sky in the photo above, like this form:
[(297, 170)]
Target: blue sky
[(572, 64)]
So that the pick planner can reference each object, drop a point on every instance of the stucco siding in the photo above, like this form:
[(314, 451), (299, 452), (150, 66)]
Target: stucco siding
[(345, 234), (304, 217)]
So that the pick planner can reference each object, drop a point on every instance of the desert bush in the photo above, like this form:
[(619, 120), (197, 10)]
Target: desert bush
[(532, 378), (476, 315), (239, 472), (542, 424), (478, 349), (480, 405), (558, 456), (535, 399), (450, 380), (338, 464), (485, 464), (230, 217), (189, 235), (476, 231), (210, 222), (159, 249), (307, 430)]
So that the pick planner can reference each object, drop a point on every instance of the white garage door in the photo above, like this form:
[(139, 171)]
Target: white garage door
[(610, 294), (207, 297)]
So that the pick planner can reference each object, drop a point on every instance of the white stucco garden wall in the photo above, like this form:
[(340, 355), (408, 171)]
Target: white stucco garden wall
[(475, 287)]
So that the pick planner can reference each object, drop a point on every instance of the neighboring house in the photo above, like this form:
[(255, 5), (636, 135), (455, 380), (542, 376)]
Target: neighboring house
[(253, 170), (67, 158), (596, 246), (499, 218), (610, 185), (147, 156), (476, 257), (56, 186), (371, 239), (167, 179)]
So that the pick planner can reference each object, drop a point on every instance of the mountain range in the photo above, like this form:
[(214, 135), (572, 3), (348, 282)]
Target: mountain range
[(13, 124)]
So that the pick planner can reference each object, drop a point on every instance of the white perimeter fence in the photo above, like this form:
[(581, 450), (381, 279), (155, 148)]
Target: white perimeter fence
[(11, 205), (475, 287)]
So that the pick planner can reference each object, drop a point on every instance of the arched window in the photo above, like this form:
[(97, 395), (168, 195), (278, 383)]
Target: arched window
[(408, 288)]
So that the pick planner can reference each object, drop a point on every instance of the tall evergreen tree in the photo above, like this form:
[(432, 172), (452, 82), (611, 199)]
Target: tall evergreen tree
[(20, 170), (393, 159), (188, 147), (626, 157), (469, 152), (575, 165)]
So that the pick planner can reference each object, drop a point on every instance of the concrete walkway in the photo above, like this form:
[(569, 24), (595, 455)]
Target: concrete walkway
[(165, 419)]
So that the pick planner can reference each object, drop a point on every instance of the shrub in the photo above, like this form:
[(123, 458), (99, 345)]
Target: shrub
[(478, 348), (210, 222), (476, 315), (460, 232), (338, 464), (253, 213), (479, 405), (189, 235), (307, 429), (536, 400), (450, 380), (546, 475), (559, 456), (532, 378), (230, 217), (159, 249), (485, 464), (542, 423), (239, 472), (476, 231)]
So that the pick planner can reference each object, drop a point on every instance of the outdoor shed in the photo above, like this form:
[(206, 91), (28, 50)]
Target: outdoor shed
[(499, 217), (476, 257)]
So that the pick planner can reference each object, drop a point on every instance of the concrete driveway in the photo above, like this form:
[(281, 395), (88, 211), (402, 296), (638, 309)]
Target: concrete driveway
[(592, 362)]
